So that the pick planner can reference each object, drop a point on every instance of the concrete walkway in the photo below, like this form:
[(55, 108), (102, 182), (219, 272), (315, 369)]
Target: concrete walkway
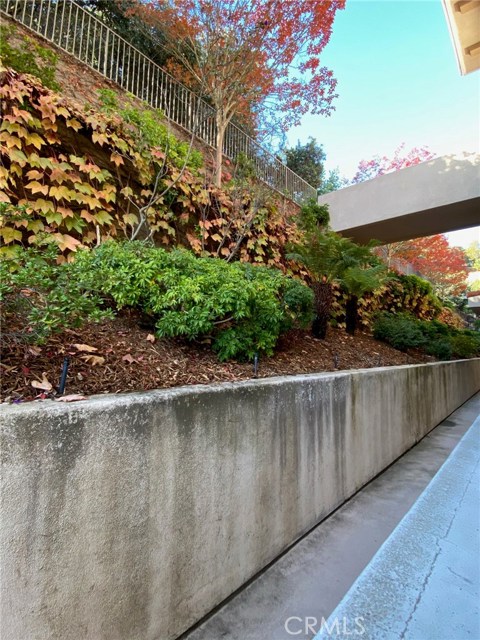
[(423, 584), (290, 598)]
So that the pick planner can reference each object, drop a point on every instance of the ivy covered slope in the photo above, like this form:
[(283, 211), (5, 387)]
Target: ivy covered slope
[(79, 177)]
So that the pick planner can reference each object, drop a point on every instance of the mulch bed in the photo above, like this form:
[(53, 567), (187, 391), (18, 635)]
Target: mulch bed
[(119, 356)]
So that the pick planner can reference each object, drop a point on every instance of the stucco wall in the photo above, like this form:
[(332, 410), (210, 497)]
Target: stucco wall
[(130, 517)]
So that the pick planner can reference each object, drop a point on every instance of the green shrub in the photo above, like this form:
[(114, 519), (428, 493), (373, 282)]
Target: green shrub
[(313, 215), (401, 331), (441, 349), (242, 308), (40, 297), (31, 58), (465, 345)]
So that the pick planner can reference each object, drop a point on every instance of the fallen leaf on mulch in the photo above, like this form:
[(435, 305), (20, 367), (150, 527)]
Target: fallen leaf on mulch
[(74, 397), (85, 347), (93, 360), (42, 384), (128, 358), (151, 338)]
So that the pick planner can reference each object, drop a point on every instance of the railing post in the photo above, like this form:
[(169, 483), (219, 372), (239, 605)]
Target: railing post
[(105, 60)]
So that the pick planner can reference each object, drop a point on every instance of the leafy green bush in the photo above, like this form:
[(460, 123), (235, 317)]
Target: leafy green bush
[(400, 330), (32, 58), (403, 331), (240, 307), (40, 297), (313, 215), (465, 345), (440, 348)]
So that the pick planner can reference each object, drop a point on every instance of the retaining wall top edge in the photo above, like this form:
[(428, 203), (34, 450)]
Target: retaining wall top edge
[(107, 401)]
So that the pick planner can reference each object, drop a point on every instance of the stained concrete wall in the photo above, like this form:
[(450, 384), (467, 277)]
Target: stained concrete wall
[(130, 517)]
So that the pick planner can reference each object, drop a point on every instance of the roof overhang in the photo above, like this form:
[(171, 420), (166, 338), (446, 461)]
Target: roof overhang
[(463, 19)]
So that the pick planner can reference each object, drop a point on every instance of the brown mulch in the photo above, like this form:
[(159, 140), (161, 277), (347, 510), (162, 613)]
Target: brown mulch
[(120, 356)]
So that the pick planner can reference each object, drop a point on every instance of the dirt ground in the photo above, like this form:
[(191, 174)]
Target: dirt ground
[(118, 356)]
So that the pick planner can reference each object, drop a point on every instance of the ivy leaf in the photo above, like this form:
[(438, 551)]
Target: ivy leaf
[(35, 226), (45, 206), (103, 217), (65, 212), (18, 156), (10, 235), (131, 219), (99, 138), (127, 192), (74, 124), (65, 241), (53, 216), (77, 160), (34, 174), (61, 192), (35, 140), (116, 158), (36, 187), (10, 141)]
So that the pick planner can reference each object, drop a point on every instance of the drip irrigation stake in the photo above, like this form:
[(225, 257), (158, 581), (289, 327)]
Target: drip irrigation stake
[(63, 378)]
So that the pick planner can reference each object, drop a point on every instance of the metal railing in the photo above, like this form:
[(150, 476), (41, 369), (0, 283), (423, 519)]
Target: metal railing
[(80, 33)]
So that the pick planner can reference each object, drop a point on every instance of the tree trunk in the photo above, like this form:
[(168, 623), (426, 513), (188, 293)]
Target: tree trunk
[(221, 127), (322, 302), (351, 314)]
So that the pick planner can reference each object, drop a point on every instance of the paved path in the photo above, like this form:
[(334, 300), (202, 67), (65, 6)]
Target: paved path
[(309, 581), (423, 584)]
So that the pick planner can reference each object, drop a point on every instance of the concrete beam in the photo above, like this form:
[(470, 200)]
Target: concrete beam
[(474, 303), (432, 197)]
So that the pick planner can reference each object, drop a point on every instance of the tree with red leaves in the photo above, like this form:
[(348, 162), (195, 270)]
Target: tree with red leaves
[(445, 266), (245, 54), (379, 165)]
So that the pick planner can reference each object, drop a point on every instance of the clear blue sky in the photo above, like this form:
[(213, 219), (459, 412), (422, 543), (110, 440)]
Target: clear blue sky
[(398, 81)]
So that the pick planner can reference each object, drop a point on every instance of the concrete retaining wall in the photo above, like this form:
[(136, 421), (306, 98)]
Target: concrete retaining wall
[(130, 517)]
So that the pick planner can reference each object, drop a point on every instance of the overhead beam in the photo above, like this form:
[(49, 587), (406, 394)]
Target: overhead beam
[(432, 197), (463, 6), (463, 20)]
